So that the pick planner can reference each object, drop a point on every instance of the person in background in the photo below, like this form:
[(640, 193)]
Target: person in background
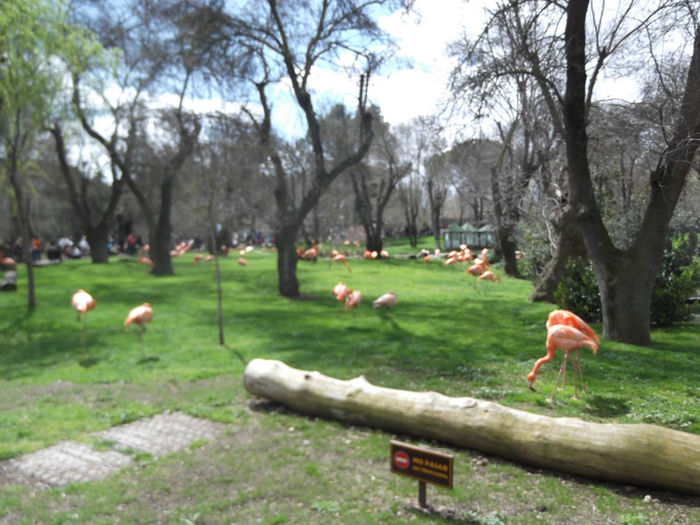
[(36, 249), (83, 245)]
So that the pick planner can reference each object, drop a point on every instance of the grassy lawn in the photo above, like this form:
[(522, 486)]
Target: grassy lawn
[(276, 466)]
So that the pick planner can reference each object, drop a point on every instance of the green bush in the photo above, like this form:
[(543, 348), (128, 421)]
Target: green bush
[(677, 281), (578, 291)]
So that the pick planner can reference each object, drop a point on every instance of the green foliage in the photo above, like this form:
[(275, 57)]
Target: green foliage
[(578, 290), (677, 281), (437, 338)]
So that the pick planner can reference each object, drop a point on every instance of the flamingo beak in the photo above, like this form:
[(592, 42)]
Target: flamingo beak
[(529, 385)]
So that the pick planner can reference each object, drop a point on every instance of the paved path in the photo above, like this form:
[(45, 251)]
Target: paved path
[(70, 462)]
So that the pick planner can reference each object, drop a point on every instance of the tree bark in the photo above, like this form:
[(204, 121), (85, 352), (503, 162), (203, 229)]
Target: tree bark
[(625, 277), (97, 234), (639, 454), (23, 221), (288, 284), (569, 245)]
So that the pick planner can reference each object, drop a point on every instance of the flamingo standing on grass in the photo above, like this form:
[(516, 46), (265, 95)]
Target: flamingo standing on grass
[(340, 291), (140, 316), (387, 300), (353, 298), (566, 338), (83, 302)]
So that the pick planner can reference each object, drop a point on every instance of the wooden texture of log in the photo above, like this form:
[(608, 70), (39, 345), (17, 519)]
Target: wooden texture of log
[(637, 454)]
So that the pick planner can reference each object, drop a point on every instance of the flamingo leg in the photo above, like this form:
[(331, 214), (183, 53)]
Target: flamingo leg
[(84, 329), (562, 371), (578, 358)]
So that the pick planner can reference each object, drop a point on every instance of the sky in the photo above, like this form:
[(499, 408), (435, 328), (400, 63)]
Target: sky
[(406, 92)]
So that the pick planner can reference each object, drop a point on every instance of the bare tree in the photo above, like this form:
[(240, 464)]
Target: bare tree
[(626, 277), (287, 40), (532, 29), (415, 137), (96, 224), (374, 181), (155, 56)]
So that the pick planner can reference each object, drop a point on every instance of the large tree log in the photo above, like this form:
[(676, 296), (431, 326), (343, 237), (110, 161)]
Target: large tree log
[(638, 454)]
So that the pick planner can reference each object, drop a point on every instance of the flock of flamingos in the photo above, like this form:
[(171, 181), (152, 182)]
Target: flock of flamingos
[(565, 330)]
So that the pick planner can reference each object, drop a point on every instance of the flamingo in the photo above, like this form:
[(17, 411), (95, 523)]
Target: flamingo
[(197, 257), (341, 259), (488, 276), (384, 254), (387, 300), (568, 318), (340, 291), (476, 269), (83, 302), (140, 315), (242, 262), (566, 338), (353, 298), (7, 261), (147, 261)]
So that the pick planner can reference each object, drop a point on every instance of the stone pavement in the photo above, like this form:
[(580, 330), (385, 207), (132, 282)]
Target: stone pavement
[(70, 462)]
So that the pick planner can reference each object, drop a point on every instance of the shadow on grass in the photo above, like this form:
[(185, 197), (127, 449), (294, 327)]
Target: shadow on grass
[(605, 407)]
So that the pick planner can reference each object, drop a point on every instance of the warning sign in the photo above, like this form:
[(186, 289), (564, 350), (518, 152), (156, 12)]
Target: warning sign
[(422, 464)]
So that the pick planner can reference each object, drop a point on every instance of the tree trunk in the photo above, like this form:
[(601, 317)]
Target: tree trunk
[(285, 239), (160, 248), (97, 238), (625, 278), (506, 243), (25, 230), (375, 242), (639, 454), (97, 235), (569, 245), (626, 288)]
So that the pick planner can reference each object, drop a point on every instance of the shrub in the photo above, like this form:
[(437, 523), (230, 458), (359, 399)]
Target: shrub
[(578, 291), (678, 279)]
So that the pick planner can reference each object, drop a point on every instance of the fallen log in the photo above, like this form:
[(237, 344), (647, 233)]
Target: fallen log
[(637, 454)]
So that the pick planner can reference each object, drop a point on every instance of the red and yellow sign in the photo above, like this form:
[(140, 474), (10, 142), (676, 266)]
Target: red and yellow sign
[(422, 464)]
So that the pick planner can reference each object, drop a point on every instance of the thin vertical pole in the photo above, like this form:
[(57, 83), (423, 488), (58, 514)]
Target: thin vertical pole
[(421, 494)]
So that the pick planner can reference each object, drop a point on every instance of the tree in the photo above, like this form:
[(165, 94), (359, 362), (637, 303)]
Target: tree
[(411, 197), (157, 56), (415, 137), (96, 228), (626, 276), (32, 35), (286, 40), (374, 181), (436, 187)]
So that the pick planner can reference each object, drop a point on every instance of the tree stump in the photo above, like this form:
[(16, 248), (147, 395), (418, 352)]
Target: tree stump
[(638, 454)]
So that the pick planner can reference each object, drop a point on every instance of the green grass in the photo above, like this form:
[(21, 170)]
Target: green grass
[(445, 335)]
